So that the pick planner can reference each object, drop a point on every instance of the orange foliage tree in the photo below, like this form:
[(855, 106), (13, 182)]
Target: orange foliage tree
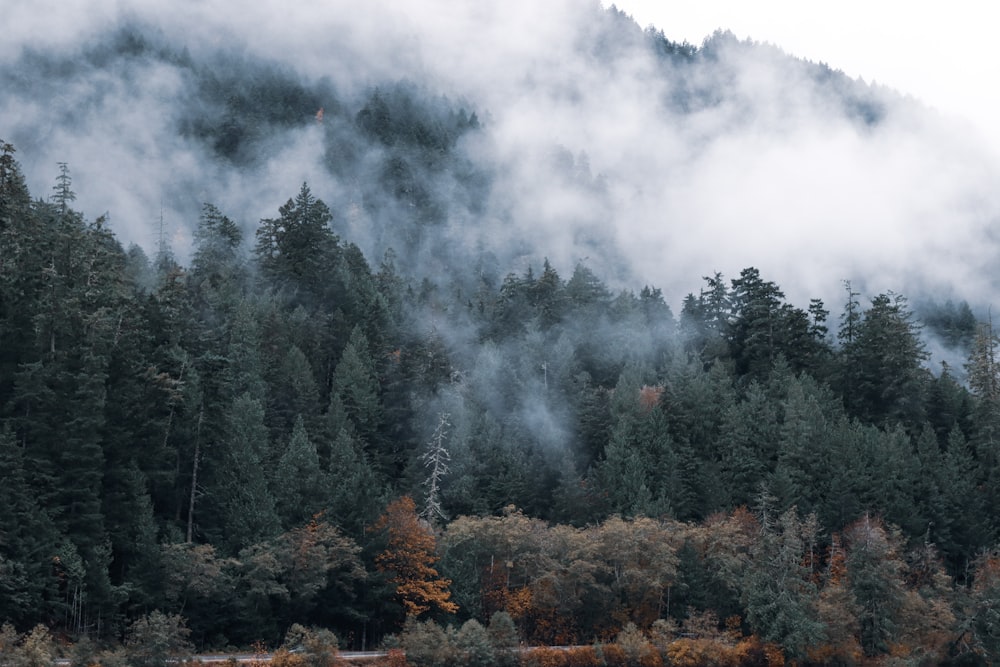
[(410, 557)]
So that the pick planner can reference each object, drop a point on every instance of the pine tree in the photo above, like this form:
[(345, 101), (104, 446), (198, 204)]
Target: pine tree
[(803, 457), (622, 473), (874, 574), (882, 373), (778, 588), (217, 259), (748, 442), (245, 504), (293, 392), (547, 296), (28, 542), (984, 382), (356, 386), (63, 189), (355, 492), (296, 250), (757, 329), (299, 486), (244, 370), (132, 529)]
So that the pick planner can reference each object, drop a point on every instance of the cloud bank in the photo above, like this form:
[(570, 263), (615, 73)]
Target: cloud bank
[(650, 169)]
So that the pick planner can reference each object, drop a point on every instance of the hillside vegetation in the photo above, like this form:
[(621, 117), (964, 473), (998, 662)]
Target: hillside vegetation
[(407, 408)]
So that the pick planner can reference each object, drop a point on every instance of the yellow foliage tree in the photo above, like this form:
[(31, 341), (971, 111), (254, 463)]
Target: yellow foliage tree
[(410, 557)]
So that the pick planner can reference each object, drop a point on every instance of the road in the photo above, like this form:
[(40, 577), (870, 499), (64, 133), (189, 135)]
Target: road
[(266, 657)]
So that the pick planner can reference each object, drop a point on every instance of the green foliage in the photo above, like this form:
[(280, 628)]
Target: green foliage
[(881, 368), (357, 388), (218, 441), (875, 579), (427, 644), (246, 505), (778, 588), (474, 645), (299, 484), (295, 249), (155, 639), (318, 646), (504, 639)]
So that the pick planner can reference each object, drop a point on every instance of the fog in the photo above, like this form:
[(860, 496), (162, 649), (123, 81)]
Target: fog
[(651, 171)]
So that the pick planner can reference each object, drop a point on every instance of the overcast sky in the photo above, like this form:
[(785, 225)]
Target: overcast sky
[(944, 54)]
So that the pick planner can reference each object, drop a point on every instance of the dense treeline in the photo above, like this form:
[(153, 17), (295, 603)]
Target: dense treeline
[(232, 444)]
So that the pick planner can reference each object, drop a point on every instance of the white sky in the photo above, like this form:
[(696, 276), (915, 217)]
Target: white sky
[(944, 54)]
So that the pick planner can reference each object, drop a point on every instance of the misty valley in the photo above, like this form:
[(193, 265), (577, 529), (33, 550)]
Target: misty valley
[(306, 352)]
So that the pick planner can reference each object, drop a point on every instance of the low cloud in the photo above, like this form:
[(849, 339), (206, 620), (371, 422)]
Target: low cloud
[(650, 171)]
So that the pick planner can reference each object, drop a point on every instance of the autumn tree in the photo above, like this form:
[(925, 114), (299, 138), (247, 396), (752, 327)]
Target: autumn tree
[(410, 556)]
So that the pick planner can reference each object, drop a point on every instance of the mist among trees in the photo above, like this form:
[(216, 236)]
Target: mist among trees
[(377, 410)]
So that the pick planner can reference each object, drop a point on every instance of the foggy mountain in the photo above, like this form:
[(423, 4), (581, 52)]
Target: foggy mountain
[(463, 135), (518, 291)]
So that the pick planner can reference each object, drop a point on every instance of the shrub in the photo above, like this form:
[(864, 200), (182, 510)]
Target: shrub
[(544, 656), (474, 646), (156, 637), (615, 656), (663, 632), (505, 639), (583, 656), (395, 658), (38, 648), (317, 647), (285, 658), (699, 653), (639, 652), (428, 645)]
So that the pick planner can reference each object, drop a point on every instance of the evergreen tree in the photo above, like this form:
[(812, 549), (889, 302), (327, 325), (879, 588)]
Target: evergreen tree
[(28, 542), (298, 485), (882, 373), (803, 456), (547, 296), (292, 392), (874, 573), (296, 249), (778, 588), (756, 331), (217, 262), (705, 321), (749, 444), (586, 291), (357, 388), (355, 492), (622, 474), (984, 382), (132, 529), (244, 370), (243, 500)]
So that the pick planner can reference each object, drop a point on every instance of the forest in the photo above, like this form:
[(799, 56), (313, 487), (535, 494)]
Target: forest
[(397, 412), (277, 434)]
